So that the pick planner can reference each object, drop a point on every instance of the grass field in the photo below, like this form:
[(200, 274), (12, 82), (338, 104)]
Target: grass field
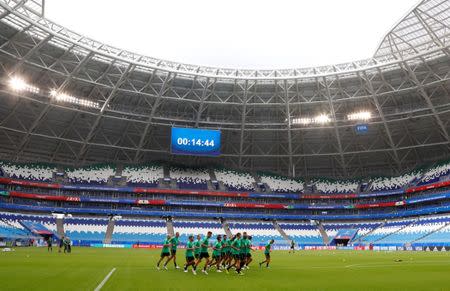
[(85, 268)]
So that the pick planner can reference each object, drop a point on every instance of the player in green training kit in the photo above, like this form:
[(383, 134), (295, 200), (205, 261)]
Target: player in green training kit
[(165, 253), (249, 249), (236, 251), (224, 250), (217, 254), (267, 253), (173, 251), (190, 260), (229, 252), (204, 253), (243, 252), (197, 247)]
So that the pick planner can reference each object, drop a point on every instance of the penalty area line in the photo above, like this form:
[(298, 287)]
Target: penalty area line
[(102, 283)]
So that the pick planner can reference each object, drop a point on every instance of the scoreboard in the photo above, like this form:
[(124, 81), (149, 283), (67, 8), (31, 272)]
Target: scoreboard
[(197, 142)]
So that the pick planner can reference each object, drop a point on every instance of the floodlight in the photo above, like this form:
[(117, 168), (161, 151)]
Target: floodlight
[(63, 97), (321, 119), (18, 84), (361, 115)]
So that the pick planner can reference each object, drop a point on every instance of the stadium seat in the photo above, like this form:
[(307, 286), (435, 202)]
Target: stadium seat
[(190, 178), (235, 181), (33, 172), (147, 176), (85, 230), (335, 186), (302, 233), (415, 231), (194, 227), (434, 174), (393, 183), (282, 184), (134, 231), (98, 174), (261, 232)]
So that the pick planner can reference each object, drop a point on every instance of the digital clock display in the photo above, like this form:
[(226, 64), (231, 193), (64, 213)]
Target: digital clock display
[(198, 142)]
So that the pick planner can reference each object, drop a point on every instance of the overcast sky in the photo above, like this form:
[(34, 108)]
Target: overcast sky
[(236, 33)]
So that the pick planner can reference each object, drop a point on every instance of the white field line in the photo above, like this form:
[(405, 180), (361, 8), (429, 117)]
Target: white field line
[(102, 283), (383, 264)]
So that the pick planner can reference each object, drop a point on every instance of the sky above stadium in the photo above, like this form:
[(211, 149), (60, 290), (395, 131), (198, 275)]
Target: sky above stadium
[(236, 33)]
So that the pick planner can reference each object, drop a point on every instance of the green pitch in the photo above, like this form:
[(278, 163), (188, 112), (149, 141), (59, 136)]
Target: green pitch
[(85, 268)]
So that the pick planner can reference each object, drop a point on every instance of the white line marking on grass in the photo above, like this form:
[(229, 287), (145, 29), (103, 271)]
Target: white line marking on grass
[(378, 264), (102, 283)]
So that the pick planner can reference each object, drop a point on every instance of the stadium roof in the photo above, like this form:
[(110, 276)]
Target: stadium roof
[(118, 106), (276, 34)]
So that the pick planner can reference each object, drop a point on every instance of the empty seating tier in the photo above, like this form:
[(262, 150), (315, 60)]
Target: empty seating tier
[(235, 181), (282, 184), (335, 186), (190, 178), (393, 183), (135, 231), (303, 233), (147, 176), (33, 172), (90, 175), (261, 232)]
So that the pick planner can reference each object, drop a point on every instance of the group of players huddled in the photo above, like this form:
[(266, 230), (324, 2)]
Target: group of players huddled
[(227, 253)]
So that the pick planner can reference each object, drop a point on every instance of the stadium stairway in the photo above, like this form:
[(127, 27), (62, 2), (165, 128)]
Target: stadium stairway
[(281, 231), (326, 239), (119, 169), (226, 227), (166, 171), (60, 179), (109, 231), (360, 238), (59, 226), (257, 180), (212, 177), (389, 234), (430, 233), (169, 225)]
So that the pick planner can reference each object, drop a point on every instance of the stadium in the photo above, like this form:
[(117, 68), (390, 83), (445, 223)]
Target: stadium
[(108, 154)]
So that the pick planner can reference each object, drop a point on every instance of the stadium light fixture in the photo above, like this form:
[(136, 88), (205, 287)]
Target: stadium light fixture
[(302, 121), (18, 84), (319, 119), (322, 119), (361, 115), (63, 97)]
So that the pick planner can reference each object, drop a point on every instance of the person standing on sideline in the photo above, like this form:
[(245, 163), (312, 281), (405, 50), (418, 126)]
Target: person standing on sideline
[(61, 243), (292, 247), (49, 244)]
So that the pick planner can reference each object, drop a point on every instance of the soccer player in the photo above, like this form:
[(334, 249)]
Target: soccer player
[(165, 252), (61, 243), (243, 253), (204, 253), (224, 250), (217, 254), (173, 250), (197, 246), (292, 247), (231, 256), (49, 244), (67, 245), (249, 252), (267, 253), (190, 260), (236, 251)]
